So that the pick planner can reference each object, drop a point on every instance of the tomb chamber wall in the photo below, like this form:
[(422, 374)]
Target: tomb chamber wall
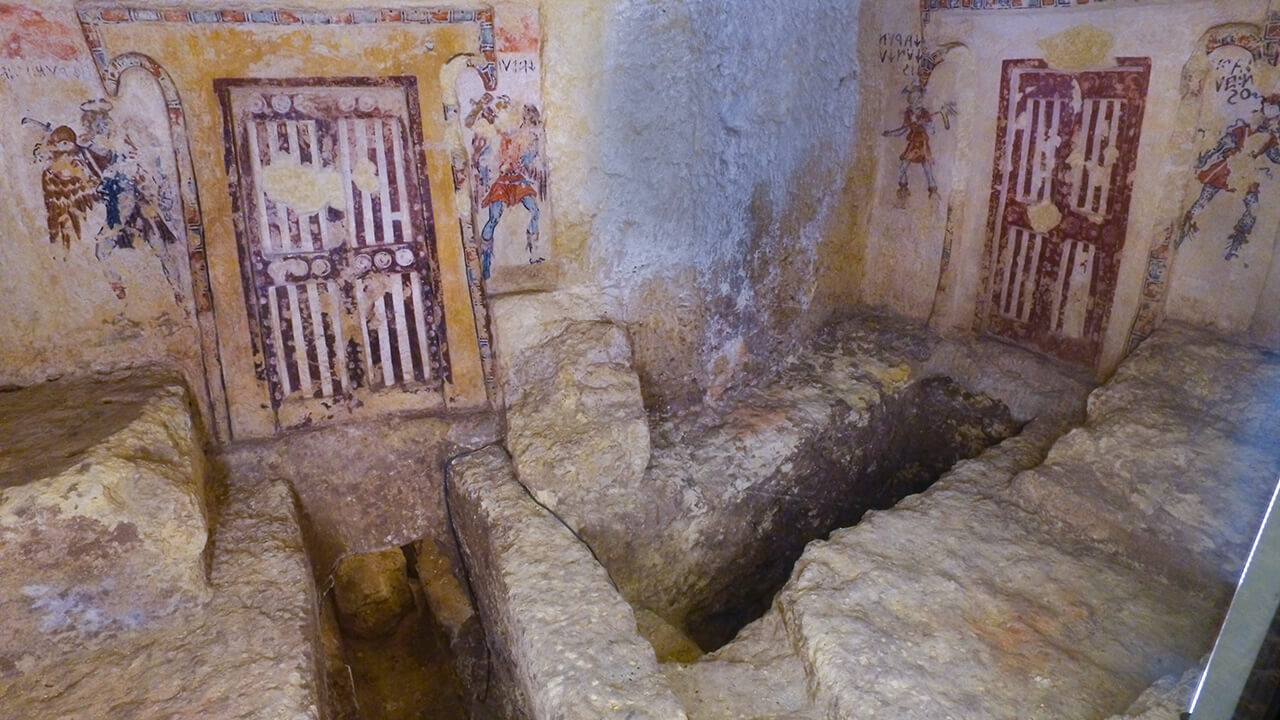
[(1069, 176)]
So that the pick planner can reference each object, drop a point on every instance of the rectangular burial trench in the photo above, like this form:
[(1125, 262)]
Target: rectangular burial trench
[(386, 656), (911, 440)]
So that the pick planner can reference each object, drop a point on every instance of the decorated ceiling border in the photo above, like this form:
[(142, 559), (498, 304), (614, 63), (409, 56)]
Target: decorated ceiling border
[(92, 16), (936, 5)]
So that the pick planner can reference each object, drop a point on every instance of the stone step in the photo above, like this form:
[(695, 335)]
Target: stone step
[(1034, 581), (103, 513)]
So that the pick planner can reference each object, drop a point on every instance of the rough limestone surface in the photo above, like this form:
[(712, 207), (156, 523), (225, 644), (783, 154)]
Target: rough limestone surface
[(984, 598), (1166, 699), (372, 486), (758, 675), (103, 514), (733, 490), (251, 653), (367, 486), (1213, 410), (372, 592), (580, 419), (558, 629)]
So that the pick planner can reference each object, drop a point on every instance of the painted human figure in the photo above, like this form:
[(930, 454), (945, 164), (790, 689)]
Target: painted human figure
[(129, 194), (102, 166), (1244, 226), (518, 181), (1214, 173), (481, 119), (917, 126), (1271, 126)]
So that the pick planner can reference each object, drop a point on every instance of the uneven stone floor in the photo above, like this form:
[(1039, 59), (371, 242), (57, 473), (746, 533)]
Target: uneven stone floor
[(1030, 586), (699, 514), (249, 653), (407, 675), (134, 583)]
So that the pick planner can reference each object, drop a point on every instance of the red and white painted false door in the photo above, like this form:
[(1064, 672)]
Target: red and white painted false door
[(1066, 147), (336, 245)]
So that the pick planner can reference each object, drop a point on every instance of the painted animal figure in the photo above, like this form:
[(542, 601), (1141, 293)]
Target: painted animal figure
[(69, 184)]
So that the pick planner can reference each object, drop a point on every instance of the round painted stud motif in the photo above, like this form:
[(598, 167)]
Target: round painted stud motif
[(320, 267), (363, 262), (382, 260), (404, 256), (281, 103)]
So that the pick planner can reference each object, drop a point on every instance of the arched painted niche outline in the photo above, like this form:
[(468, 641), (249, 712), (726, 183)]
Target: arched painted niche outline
[(1183, 208)]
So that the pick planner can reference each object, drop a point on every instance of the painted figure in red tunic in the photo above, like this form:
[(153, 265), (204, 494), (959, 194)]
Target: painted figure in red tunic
[(519, 180), (1214, 173), (917, 126)]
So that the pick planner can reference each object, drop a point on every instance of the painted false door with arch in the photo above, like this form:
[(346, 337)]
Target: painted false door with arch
[(336, 245), (1066, 148)]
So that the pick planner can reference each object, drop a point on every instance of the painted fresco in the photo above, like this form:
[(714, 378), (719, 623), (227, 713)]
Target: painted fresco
[(918, 120), (502, 132), (929, 6), (331, 267), (918, 193), (1067, 145), (1222, 236), (337, 232), (102, 187), (1243, 156), (93, 260)]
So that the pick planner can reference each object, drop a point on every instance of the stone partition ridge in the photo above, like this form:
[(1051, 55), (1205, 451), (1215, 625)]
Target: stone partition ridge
[(560, 633), (1033, 585), (699, 514), (251, 652), (103, 513)]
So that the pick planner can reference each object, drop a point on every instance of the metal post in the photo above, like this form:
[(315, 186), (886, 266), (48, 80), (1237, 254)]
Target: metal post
[(1244, 629)]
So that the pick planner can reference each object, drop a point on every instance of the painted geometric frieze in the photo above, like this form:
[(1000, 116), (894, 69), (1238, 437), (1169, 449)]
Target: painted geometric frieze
[(936, 5)]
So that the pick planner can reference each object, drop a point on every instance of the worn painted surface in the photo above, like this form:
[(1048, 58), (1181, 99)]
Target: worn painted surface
[(337, 236), (943, 270), (1227, 235), (503, 137), (91, 269), (370, 44), (123, 210), (1067, 145)]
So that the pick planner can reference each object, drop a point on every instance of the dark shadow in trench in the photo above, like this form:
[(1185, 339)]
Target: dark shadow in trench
[(406, 674)]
